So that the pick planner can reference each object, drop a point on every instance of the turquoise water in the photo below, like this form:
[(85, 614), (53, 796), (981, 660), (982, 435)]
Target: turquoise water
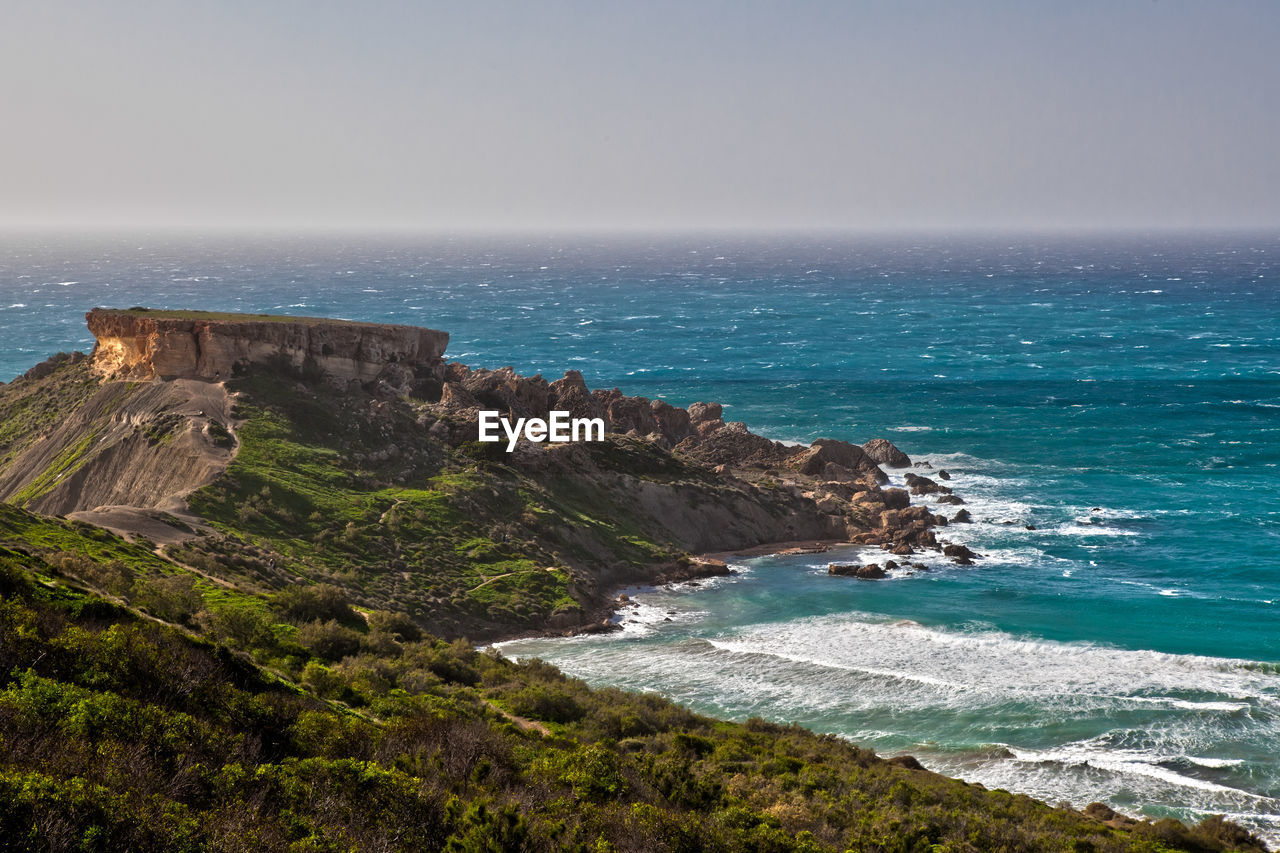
[(1122, 395)]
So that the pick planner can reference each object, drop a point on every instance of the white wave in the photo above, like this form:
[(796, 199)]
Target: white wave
[(740, 648), (1089, 771), (1090, 530), (1214, 763), (996, 668), (1022, 556), (641, 617), (1186, 705), (1086, 515), (1126, 762)]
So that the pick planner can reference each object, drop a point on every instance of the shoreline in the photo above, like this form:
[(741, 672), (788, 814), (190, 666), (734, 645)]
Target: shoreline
[(773, 549), (697, 567), (1095, 807)]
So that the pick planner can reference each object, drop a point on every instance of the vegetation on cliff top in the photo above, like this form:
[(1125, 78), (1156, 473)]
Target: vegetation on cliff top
[(232, 317)]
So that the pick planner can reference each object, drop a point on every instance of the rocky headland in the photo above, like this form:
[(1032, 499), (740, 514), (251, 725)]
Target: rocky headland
[(232, 436)]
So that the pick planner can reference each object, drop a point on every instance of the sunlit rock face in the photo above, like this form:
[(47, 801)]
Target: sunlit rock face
[(187, 345)]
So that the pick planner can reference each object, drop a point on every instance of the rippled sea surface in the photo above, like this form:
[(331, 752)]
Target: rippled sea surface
[(1120, 395)]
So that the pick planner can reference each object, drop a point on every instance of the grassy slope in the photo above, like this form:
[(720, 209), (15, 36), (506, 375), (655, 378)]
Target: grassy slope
[(28, 409), (120, 733), (463, 543)]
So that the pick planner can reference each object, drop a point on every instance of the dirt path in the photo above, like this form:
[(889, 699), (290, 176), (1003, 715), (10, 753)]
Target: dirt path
[(160, 552), (488, 581), (523, 724)]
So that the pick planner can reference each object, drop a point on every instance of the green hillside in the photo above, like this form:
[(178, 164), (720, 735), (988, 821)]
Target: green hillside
[(121, 731)]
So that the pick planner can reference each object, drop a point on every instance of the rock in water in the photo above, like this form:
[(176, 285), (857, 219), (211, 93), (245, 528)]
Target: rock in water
[(870, 572), (960, 553), (883, 452), (924, 486)]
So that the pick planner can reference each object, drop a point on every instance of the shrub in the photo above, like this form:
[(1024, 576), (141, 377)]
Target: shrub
[(547, 702), (244, 626), (173, 598), (320, 602), (398, 625), (329, 640)]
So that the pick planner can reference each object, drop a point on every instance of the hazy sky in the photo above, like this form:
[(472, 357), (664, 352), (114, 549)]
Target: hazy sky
[(654, 114)]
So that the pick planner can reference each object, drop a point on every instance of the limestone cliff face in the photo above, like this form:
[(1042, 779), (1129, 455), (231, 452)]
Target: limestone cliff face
[(141, 344)]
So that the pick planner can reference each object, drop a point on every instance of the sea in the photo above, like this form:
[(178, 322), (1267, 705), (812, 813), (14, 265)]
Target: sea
[(1108, 406)]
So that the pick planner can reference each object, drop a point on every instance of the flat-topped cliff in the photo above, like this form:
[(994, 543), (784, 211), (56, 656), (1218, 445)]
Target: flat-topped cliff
[(144, 344), (359, 431)]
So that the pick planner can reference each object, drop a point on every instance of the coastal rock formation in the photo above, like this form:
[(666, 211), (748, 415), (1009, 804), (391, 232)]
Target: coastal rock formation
[(833, 489), (825, 453), (960, 554), (381, 412), (924, 486), (143, 344), (882, 452), (870, 572)]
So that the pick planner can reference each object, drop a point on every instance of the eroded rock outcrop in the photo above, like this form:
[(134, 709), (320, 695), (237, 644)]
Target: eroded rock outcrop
[(883, 452), (870, 572), (144, 344), (830, 489)]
